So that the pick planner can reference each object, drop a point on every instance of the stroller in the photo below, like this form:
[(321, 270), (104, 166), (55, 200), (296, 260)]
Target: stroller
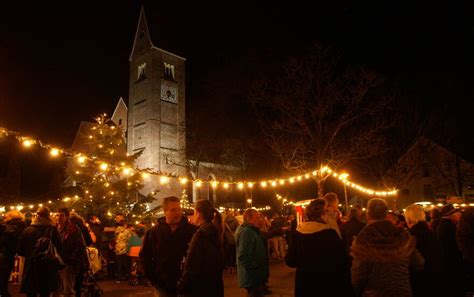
[(136, 273), (90, 284)]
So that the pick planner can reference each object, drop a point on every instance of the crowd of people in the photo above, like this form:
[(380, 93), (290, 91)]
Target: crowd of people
[(379, 253)]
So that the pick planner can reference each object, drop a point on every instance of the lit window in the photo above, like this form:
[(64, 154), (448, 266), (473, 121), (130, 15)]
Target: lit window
[(141, 72), (169, 71)]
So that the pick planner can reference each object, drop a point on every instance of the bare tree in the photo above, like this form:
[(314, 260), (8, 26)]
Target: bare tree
[(318, 112)]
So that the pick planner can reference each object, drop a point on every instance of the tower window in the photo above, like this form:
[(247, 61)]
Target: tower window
[(120, 122), (141, 72), (425, 170), (169, 71)]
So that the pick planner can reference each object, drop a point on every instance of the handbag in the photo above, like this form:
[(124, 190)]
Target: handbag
[(46, 254)]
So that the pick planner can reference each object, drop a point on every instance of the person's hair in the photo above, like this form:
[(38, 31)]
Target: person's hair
[(248, 214), (211, 215), (377, 209), (414, 213), (13, 215), (330, 198), (316, 209), (168, 200), (43, 212), (64, 210), (140, 231), (76, 218), (353, 213), (435, 213)]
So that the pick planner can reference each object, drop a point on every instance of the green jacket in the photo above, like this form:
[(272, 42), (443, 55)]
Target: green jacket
[(252, 258)]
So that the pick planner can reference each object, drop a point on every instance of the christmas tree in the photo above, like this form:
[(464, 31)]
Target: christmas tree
[(107, 177)]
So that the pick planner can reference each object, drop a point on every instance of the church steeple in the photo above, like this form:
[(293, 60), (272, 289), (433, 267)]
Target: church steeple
[(142, 42), (156, 105)]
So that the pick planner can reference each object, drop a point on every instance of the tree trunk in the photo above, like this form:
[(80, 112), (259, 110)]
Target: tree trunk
[(320, 188), (459, 177)]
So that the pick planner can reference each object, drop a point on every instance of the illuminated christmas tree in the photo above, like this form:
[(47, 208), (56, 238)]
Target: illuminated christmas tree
[(106, 176)]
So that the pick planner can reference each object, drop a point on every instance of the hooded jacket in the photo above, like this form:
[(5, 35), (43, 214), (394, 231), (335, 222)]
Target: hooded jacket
[(163, 251), (322, 266), (202, 274), (383, 256), (252, 257)]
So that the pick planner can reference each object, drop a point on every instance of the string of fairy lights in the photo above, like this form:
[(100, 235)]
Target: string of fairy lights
[(165, 178)]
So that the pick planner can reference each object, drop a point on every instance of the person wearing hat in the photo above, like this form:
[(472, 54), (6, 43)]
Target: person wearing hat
[(37, 281), (446, 233)]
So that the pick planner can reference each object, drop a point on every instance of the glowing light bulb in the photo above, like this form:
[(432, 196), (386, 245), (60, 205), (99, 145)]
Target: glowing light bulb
[(250, 185), (104, 166), (240, 186), (198, 183), (274, 183), (226, 185), (183, 180), (263, 184), (54, 152), (81, 159), (164, 180), (27, 143), (214, 184)]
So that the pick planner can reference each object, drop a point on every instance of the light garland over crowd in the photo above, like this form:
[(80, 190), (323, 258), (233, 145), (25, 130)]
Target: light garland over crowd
[(164, 178)]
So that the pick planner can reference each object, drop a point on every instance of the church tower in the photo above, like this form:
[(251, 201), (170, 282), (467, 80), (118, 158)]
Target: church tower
[(156, 108)]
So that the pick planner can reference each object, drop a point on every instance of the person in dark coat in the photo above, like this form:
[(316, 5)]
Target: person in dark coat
[(318, 254), (202, 273), (452, 257), (384, 255), (37, 281), (351, 229), (10, 233), (435, 218), (75, 218), (73, 252), (465, 240), (165, 246), (430, 281)]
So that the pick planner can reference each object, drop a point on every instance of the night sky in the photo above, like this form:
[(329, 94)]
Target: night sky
[(64, 62)]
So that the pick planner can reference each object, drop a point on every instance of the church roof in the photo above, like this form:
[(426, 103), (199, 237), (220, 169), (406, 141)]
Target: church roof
[(162, 37)]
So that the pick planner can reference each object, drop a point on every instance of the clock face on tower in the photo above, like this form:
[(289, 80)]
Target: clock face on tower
[(169, 93)]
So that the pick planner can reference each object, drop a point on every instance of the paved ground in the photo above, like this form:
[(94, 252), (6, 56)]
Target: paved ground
[(281, 283)]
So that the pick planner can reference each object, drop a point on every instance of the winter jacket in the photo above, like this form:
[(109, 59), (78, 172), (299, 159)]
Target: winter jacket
[(349, 231), (252, 257), (332, 221), (321, 262), (163, 251), (9, 238), (465, 240), (430, 281), (465, 235), (36, 279), (84, 231), (202, 274), (122, 236), (73, 250), (452, 257), (383, 256)]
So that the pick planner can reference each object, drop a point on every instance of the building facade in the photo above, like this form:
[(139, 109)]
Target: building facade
[(431, 172)]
